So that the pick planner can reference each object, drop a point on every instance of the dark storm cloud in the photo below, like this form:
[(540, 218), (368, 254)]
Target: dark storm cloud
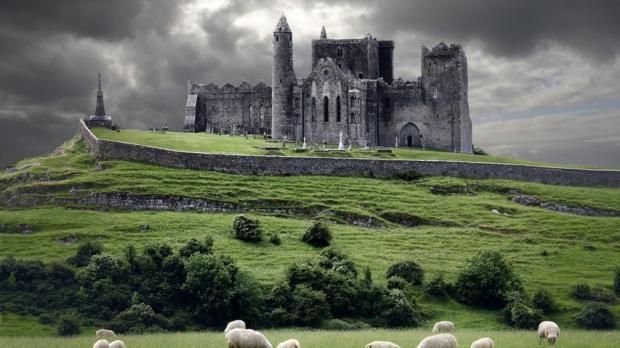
[(508, 27)]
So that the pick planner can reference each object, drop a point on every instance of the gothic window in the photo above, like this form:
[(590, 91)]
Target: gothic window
[(277, 38), (361, 76), (325, 109), (434, 92), (262, 115), (338, 111), (353, 101), (296, 102), (387, 104), (339, 51), (313, 109)]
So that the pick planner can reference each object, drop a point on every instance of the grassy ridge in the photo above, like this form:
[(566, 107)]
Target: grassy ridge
[(548, 249), (329, 339), (253, 144)]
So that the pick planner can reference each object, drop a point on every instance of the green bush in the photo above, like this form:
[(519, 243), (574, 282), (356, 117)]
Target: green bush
[(275, 239), (85, 251), (334, 260), (522, 316), (486, 280), (584, 292), (396, 311), (195, 246), (396, 283), (437, 287), (344, 325), (310, 306), (247, 229), (407, 270), (68, 325), (318, 235), (581, 292), (596, 316), (140, 318), (543, 301)]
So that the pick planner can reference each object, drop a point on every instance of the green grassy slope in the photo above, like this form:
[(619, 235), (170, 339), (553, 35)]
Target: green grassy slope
[(253, 145), (549, 249)]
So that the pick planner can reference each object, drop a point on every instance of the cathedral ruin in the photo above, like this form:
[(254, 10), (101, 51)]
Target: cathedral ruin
[(350, 91)]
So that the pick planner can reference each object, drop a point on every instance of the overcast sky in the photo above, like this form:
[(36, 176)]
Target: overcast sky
[(544, 75)]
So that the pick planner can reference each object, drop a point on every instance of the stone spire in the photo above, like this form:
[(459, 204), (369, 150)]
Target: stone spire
[(323, 33), (99, 109), (282, 25)]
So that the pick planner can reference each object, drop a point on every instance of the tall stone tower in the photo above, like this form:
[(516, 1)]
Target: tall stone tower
[(99, 109), (283, 80), (444, 76), (100, 118)]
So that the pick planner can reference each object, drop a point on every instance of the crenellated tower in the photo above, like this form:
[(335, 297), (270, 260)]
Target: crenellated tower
[(283, 80)]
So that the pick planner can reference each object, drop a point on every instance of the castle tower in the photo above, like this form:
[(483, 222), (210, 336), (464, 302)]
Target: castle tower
[(444, 77), (283, 80), (323, 33), (99, 109)]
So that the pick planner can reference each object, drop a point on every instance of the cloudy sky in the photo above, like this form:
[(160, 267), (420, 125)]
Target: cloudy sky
[(544, 74)]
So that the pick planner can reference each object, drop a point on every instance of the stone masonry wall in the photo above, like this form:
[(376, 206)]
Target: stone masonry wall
[(276, 165)]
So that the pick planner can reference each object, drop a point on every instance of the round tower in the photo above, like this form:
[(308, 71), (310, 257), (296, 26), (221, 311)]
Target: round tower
[(283, 80)]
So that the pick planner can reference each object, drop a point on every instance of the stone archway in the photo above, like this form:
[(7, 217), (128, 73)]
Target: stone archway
[(410, 136)]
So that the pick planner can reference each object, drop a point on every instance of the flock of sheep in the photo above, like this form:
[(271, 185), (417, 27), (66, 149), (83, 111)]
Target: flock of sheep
[(238, 336)]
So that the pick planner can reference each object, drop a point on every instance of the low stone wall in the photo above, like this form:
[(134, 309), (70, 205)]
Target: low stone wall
[(279, 165)]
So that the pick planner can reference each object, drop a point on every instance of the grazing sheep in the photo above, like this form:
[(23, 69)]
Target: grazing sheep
[(292, 343), (105, 333), (548, 330), (443, 326), (118, 344), (237, 324), (484, 342), (101, 344), (382, 344), (246, 338), (443, 340)]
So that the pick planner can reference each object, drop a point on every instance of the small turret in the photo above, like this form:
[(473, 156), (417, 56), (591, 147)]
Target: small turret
[(323, 33)]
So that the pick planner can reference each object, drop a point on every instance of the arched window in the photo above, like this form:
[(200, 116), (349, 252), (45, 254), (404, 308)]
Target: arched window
[(313, 109), (339, 51), (325, 109), (434, 93), (338, 109), (361, 76), (277, 38)]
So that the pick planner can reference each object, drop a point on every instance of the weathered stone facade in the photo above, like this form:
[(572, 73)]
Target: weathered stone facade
[(351, 91)]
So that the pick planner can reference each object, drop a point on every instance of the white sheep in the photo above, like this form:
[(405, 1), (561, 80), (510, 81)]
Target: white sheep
[(236, 324), (548, 330), (443, 326), (485, 342), (101, 344), (105, 333), (443, 340), (292, 343), (382, 344), (246, 338), (118, 344)]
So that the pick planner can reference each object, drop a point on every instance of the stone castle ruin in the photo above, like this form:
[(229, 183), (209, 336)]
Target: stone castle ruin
[(350, 91)]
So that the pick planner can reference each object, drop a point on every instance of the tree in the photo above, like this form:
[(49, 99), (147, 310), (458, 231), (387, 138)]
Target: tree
[(318, 235), (195, 246), (486, 280), (68, 325), (596, 316), (407, 270), (85, 251), (247, 229)]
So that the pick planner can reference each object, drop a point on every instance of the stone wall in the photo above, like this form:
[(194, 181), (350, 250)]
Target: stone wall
[(275, 165)]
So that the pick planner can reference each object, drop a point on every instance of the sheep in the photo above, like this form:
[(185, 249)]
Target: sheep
[(237, 324), (118, 344), (105, 333), (292, 343), (101, 344), (382, 344), (246, 338), (443, 326), (548, 330), (443, 340), (484, 342)]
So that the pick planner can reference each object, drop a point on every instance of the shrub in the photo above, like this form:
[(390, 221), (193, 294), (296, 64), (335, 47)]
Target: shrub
[(318, 235), (396, 311), (195, 246), (310, 306), (596, 316), (344, 325), (581, 292), (138, 318), (522, 316), (617, 281), (85, 251), (598, 293), (486, 280), (437, 287), (275, 239), (247, 229), (407, 270), (68, 325), (543, 301), (332, 259), (396, 283)]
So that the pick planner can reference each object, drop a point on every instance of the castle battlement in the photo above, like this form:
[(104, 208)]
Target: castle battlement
[(244, 87)]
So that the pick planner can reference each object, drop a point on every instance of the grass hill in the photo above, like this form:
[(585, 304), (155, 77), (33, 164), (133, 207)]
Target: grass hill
[(439, 222)]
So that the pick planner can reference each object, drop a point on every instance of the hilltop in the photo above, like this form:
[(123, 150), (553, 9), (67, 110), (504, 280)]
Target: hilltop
[(52, 203)]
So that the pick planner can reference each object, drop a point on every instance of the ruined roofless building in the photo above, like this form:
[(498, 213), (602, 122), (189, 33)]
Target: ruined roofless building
[(351, 89), (100, 118)]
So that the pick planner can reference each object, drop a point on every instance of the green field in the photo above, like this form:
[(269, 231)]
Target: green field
[(255, 144), (548, 249), (330, 339)]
